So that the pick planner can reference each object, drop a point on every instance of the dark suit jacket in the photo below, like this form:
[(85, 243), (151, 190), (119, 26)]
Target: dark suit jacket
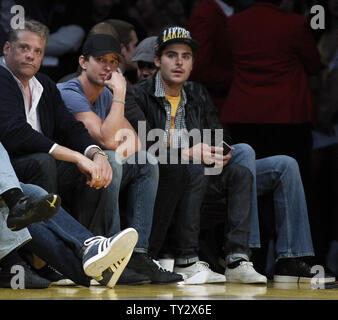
[(57, 123), (273, 53)]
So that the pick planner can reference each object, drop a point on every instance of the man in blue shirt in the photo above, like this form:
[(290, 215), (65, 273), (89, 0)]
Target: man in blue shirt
[(97, 97)]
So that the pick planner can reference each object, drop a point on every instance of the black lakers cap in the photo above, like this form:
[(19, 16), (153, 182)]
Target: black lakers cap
[(174, 34)]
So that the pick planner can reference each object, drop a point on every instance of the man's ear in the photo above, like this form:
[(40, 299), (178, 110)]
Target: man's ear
[(6, 48), (82, 62), (157, 61), (124, 50)]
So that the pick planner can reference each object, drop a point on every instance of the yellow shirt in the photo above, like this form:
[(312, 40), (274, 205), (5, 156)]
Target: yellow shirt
[(174, 102)]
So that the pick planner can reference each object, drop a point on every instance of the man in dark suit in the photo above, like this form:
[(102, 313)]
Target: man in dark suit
[(270, 105), (47, 145)]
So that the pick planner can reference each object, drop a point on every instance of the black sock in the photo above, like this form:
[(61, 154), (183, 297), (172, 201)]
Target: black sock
[(12, 196), (235, 264)]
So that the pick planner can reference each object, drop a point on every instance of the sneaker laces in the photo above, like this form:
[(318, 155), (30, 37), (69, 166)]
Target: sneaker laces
[(202, 266), (246, 264), (103, 243)]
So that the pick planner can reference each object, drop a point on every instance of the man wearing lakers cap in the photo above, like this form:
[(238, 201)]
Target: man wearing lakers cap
[(176, 105)]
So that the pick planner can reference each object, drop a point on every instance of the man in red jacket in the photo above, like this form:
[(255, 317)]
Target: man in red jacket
[(206, 23), (270, 105), (212, 64)]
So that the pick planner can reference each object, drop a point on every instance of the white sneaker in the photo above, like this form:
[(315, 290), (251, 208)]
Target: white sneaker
[(105, 258), (199, 273), (244, 273)]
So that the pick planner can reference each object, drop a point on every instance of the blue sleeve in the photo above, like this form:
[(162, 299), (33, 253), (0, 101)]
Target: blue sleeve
[(74, 100)]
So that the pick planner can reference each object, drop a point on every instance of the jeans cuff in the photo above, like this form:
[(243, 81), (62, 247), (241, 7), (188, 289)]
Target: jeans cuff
[(235, 257), (186, 260)]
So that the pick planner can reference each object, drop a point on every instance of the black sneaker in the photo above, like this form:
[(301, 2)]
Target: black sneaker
[(29, 210), (130, 277), (142, 263), (48, 272), (293, 270), (127, 277), (31, 279)]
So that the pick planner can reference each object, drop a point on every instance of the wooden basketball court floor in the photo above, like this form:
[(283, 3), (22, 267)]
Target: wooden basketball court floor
[(179, 291)]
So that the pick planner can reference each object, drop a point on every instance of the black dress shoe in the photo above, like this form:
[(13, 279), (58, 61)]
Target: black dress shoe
[(29, 210), (10, 278)]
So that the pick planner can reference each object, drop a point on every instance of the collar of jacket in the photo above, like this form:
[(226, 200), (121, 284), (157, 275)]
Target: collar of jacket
[(150, 86)]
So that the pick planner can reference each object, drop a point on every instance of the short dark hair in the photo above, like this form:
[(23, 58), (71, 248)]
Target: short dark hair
[(123, 29)]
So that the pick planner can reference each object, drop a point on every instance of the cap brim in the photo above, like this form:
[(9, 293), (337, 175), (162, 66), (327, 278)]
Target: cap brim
[(193, 44), (103, 52), (143, 57)]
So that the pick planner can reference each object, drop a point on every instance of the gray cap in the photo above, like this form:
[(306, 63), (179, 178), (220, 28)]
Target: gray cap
[(145, 50)]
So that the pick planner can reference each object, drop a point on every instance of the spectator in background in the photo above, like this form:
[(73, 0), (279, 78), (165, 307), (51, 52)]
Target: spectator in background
[(208, 24), (144, 57), (153, 15), (270, 105), (92, 12), (128, 40), (189, 6), (104, 28)]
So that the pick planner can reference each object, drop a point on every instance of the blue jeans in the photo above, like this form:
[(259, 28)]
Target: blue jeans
[(99, 210), (138, 184), (279, 174), (59, 241), (138, 189), (235, 181)]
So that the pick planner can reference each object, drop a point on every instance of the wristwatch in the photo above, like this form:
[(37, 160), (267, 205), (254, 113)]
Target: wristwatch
[(99, 152)]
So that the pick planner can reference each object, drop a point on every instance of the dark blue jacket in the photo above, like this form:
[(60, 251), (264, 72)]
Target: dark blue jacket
[(57, 123)]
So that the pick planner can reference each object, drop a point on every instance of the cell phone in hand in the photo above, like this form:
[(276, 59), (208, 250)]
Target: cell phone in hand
[(225, 146)]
